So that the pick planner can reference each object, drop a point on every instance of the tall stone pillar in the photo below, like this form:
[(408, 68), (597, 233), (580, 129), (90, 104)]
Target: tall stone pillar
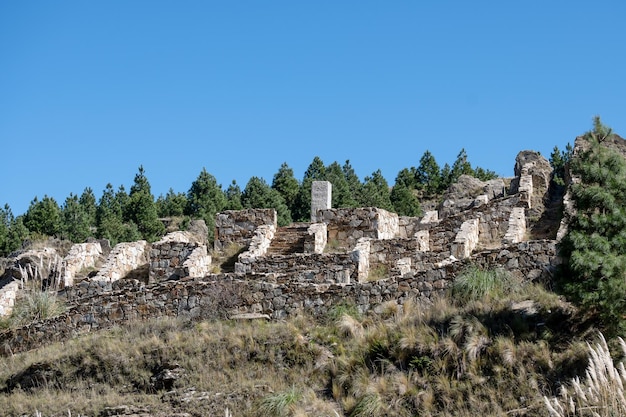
[(321, 197)]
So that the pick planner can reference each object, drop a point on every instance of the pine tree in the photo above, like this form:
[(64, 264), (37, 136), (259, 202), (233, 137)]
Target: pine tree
[(233, 197), (43, 217), (87, 201), (404, 201), (376, 192), (428, 174), (6, 217), (76, 222), (205, 199), (109, 218), (315, 172), (342, 196), (287, 185), (172, 205), (258, 194), (354, 184), (593, 249), (142, 209)]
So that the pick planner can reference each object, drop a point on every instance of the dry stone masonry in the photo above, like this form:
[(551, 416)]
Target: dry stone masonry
[(364, 256)]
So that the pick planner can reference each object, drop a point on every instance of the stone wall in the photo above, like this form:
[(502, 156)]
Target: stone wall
[(8, 293), (123, 259), (257, 247), (81, 256), (347, 226), (238, 227), (325, 267), (222, 295), (178, 255)]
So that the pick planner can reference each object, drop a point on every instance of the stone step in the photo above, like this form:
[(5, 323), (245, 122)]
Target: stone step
[(288, 240)]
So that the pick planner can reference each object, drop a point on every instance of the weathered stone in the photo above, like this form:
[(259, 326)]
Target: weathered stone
[(321, 197)]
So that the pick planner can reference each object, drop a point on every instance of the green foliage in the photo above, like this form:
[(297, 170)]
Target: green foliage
[(172, 205), (302, 207), (280, 404), (35, 306), (428, 174), (76, 220), (558, 160), (205, 199), (477, 284), (404, 201), (287, 185), (109, 221), (593, 249), (342, 196), (375, 192), (87, 201), (43, 217), (258, 194), (141, 209), (233, 197), (354, 184)]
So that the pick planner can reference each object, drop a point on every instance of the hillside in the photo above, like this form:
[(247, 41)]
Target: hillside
[(358, 312)]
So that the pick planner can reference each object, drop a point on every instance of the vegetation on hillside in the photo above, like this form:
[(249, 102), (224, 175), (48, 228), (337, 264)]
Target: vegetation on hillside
[(593, 249), (121, 216), (480, 351)]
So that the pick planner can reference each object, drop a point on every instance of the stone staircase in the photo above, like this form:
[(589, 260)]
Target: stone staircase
[(289, 239)]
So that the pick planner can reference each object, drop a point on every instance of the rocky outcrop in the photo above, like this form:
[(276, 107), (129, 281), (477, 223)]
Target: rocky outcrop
[(469, 192)]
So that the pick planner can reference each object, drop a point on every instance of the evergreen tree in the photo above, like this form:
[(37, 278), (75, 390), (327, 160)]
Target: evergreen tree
[(87, 201), (233, 197), (172, 205), (205, 199), (354, 184), (76, 226), (446, 178), (18, 233), (315, 172), (593, 249), (43, 217), (376, 192), (142, 208), (342, 196), (123, 200), (109, 218), (6, 217), (404, 201), (428, 174), (558, 160), (484, 174), (461, 166), (406, 178), (258, 194), (287, 185)]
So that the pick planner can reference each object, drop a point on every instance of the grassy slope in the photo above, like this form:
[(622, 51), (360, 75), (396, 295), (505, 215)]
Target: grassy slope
[(469, 354)]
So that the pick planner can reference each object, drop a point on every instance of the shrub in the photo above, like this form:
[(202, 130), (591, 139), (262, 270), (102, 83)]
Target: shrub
[(36, 305), (281, 404), (475, 284)]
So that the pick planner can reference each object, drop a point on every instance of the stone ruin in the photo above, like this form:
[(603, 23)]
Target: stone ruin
[(366, 256)]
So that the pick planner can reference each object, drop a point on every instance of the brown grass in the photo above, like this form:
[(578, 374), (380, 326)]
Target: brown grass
[(433, 359)]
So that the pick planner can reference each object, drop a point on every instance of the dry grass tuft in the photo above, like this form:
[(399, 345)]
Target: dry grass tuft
[(601, 393)]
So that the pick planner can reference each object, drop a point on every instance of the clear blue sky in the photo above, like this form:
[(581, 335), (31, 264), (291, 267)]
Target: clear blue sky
[(90, 90)]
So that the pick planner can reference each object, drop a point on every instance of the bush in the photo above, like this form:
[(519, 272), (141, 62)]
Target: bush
[(35, 306), (476, 283)]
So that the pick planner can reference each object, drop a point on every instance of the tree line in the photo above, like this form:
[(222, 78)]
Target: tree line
[(121, 216)]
